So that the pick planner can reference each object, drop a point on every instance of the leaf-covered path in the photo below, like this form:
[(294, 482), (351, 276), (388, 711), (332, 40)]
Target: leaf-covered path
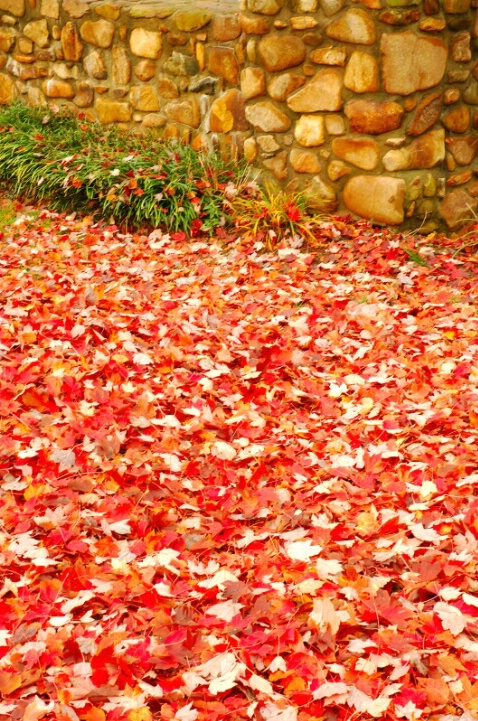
[(236, 485)]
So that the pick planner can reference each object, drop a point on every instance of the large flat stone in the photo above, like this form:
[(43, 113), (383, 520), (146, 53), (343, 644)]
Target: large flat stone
[(191, 20), (15, 7), (146, 43), (7, 89), (464, 150), (277, 52), (426, 114), (458, 208), (228, 113), (267, 117), (377, 198), (265, 7), (54, 88), (144, 98), (361, 73), (110, 111), (223, 63), (38, 32), (281, 86), (411, 63), (186, 112), (322, 92), (71, 43), (354, 26), (309, 131), (374, 118), (99, 32), (425, 152), (304, 161), (361, 152)]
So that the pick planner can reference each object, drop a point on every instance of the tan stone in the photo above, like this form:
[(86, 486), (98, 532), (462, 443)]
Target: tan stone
[(337, 169), (145, 70), (457, 120), (268, 144), (95, 66), (361, 152), (281, 86), (225, 28), (458, 208), (334, 124), (427, 113), (267, 117), (98, 32), (253, 25), (16, 7), (329, 56), (75, 8), (361, 73), (54, 88), (411, 62), (7, 89), (332, 7), (144, 98), (167, 88), (109, 11), (186, 112), (432, 25), (464, 150), (373, 118), (111, 111), (85, 95), (121, 65), (354, 26), (191, 20), (378, 198), (265, 7), (425, 152), (304, 161), (278, 165), (280, 52), (460, 178), (253, 83), (7, 39), (456, 6), (309, 131), (38, 32), (322, 92), (460, 48), (303, 22), (304, 6), (50, 8), (151, 11), (250, 150), (70, 42), (25, 45), (223, 63), (146, 43), (320, 196)]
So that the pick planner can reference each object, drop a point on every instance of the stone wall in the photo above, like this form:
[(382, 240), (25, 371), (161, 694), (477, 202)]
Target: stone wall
[(370, 105)]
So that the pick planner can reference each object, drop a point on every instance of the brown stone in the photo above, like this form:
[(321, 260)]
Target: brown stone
[(38, 32), (278, 165), (7, 89), (374, 118), (473, 189), (431, 7), (95, 66), (464, 150), (458, 208), (281, 86), (399, 18), (154, 120), (7, 39), (361, 152), (337, 169), (452, 95), (304, 161), (426, 114), (378, 198), (253, 25), (458, 76), (145, 70), (186, 112), (457, 120), (312, 40), (144, 98), (146, 43), (303, 22), (456, 6), (16, 7), (411, 62), (361, 73), (191, 20), (354, 26), (265, 7), (177, 39), (111, 111), (253, 83), (54, 88), (470, 95), (321, 197), (109, 11), (225, 28), (460, 48), (277, 52), (22, 58), (459, 178), (304, 6), (425, 152), (75, 8), (432, 25), (309, 131), (267, 117), (85, 95), (121, 65), (329, 56), (323, 92), (223, 63), (98, 32), (167, 88), (70, 42)]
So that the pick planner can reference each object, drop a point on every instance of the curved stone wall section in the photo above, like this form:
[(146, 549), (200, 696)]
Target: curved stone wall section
[(371, 106)]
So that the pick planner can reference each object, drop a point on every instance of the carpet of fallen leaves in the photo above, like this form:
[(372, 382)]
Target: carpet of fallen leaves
[(235, 484)]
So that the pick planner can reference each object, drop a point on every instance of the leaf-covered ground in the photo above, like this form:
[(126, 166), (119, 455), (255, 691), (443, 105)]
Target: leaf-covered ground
[(236, 485)]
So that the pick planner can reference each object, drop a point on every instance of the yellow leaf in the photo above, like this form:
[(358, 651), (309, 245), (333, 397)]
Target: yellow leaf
[(140, 714)]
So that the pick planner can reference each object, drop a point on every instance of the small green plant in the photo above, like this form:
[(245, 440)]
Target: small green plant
[(135, 180), (7, 214), (416, 258), (270, 216)]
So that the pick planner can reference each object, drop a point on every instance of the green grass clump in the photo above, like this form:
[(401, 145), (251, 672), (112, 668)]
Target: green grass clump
[(136, 180)]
